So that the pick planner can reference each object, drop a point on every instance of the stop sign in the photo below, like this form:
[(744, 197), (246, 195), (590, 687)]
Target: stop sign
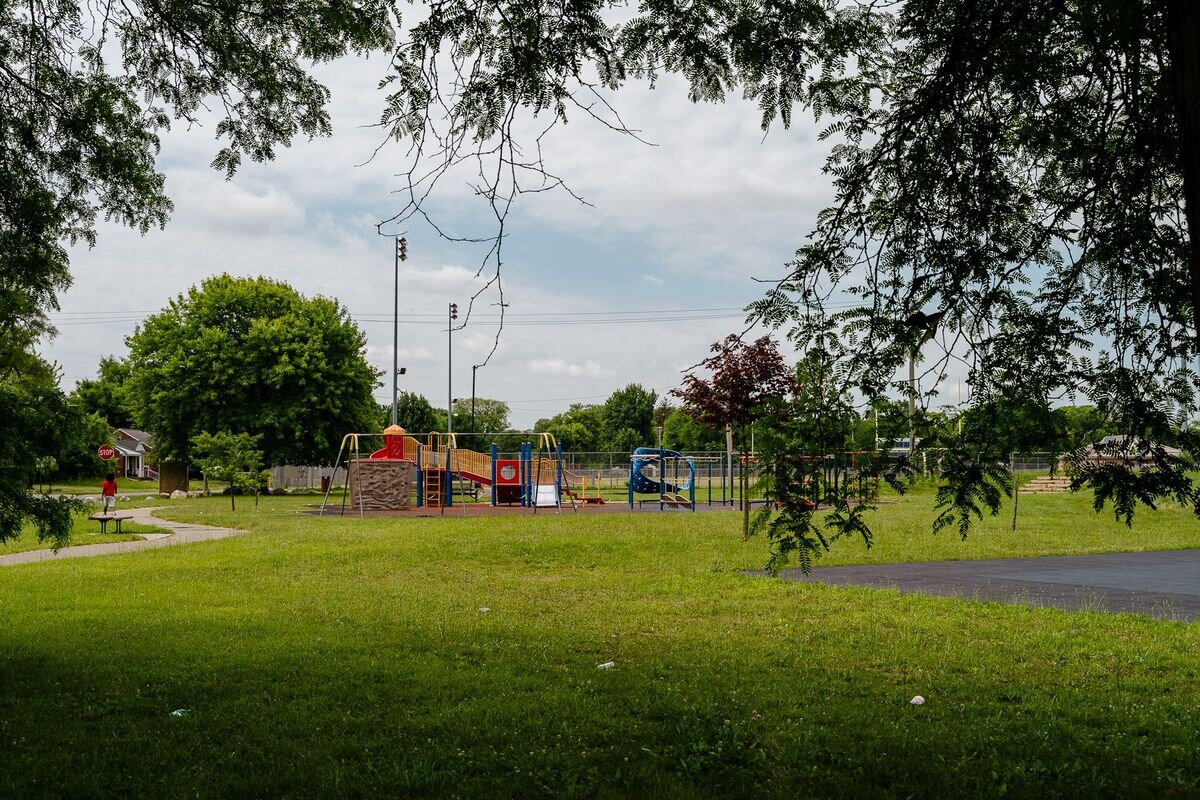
[(106, 452)]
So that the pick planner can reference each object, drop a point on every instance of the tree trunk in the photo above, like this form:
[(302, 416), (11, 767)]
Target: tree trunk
[(745, 481), (745, 498), (1012, 468), (1183, 42)]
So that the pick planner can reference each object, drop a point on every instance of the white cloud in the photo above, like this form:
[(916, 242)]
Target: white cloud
[(561, 367), (711, 206), (446, 278), (231, 208)]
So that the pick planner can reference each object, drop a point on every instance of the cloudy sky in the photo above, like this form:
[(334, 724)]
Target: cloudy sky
[(631, 288)]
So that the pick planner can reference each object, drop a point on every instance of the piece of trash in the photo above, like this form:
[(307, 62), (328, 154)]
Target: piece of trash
[(606, 665), (179, 712), (484, 609), (917, 701)]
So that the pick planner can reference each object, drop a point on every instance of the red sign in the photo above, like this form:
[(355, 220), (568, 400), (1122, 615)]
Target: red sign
[(508, 471), (107, 452)]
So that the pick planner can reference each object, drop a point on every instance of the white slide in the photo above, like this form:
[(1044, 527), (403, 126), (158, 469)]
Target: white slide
[(546, 496)]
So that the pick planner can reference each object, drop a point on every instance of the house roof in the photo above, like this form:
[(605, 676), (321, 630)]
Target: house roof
[(128, 448), (141, 437)]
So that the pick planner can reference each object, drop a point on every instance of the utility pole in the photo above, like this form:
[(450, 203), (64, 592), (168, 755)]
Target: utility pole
[(473, 368), (451, 315), (401, 255), (912, 405)]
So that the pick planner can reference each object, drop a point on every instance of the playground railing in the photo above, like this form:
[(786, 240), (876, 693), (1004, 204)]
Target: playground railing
[(471, 462)]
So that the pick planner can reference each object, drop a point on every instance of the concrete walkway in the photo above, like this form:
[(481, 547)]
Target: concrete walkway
[(1164, 584), (180, 533)]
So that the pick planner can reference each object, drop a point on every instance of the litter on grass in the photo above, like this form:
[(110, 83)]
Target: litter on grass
[(917, 701), (484, 609), (606, 665), (179, 712)]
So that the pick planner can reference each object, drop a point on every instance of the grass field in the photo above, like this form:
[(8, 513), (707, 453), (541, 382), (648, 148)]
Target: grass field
[(339, 657), (84, 531)]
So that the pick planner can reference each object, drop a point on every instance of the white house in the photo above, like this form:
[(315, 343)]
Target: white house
[(132, 448)]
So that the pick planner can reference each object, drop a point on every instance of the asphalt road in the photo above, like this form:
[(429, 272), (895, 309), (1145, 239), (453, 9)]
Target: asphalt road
[(1164, 584)]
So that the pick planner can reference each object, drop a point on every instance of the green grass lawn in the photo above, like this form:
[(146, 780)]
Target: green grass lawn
[(84, 531), (92, 485), (340, 657)]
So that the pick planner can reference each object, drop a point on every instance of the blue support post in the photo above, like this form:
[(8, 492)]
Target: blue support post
[(631, 483), (692, 484), (525, 474), (449, 501), (662, 479), (495, 455)]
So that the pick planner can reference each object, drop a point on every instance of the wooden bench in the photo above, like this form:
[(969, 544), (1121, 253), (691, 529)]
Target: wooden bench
[(104, 519)]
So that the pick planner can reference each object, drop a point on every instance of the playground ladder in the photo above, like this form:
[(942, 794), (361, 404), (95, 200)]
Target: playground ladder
[(434, 478)]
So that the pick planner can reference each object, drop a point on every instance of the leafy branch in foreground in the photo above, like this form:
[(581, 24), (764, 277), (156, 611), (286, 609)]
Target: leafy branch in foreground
[(1017, 186), (818, 489), (85, 91)]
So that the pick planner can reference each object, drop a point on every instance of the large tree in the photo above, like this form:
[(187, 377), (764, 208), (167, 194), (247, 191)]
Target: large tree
[(746, 383), (105, 394), (1018, 184), (85, 91), (579, 429), (37, 425), (251, 355), (629, 418), (682, 431), (414, 413)]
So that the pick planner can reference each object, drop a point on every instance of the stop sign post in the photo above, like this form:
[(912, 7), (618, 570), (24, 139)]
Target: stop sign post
[(106, 452)]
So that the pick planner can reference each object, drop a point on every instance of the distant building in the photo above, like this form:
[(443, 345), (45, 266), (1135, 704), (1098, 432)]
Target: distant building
[(897, 447), (132, 448)]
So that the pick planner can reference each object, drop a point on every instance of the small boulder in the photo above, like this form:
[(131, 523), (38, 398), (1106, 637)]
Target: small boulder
[(178, 494)]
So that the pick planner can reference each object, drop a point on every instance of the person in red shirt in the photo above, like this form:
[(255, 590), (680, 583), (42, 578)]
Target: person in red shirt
[(108, 490)]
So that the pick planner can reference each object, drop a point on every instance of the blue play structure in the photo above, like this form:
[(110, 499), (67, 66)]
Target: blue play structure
[(676, 475)]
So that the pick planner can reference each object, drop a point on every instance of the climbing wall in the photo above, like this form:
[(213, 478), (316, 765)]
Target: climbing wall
[(382, 484)]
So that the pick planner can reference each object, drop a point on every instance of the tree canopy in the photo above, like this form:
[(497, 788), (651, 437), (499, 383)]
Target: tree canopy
[(105, 395), (579, 429), (85, 91), (628, 416), (36, 423), (414, 413), (747, 382), (230, 457), (251, 355)]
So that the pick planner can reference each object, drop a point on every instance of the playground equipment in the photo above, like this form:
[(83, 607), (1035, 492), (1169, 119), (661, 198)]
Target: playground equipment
[(439, 468), (580, 480), (667, 464), (547, 483)]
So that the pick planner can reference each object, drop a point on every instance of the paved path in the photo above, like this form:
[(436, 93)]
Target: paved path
[(1164, 584), (180, 533)]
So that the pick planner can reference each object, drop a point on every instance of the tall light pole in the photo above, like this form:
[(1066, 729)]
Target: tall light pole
[(401, 255), (451, 315), (473, 368)]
